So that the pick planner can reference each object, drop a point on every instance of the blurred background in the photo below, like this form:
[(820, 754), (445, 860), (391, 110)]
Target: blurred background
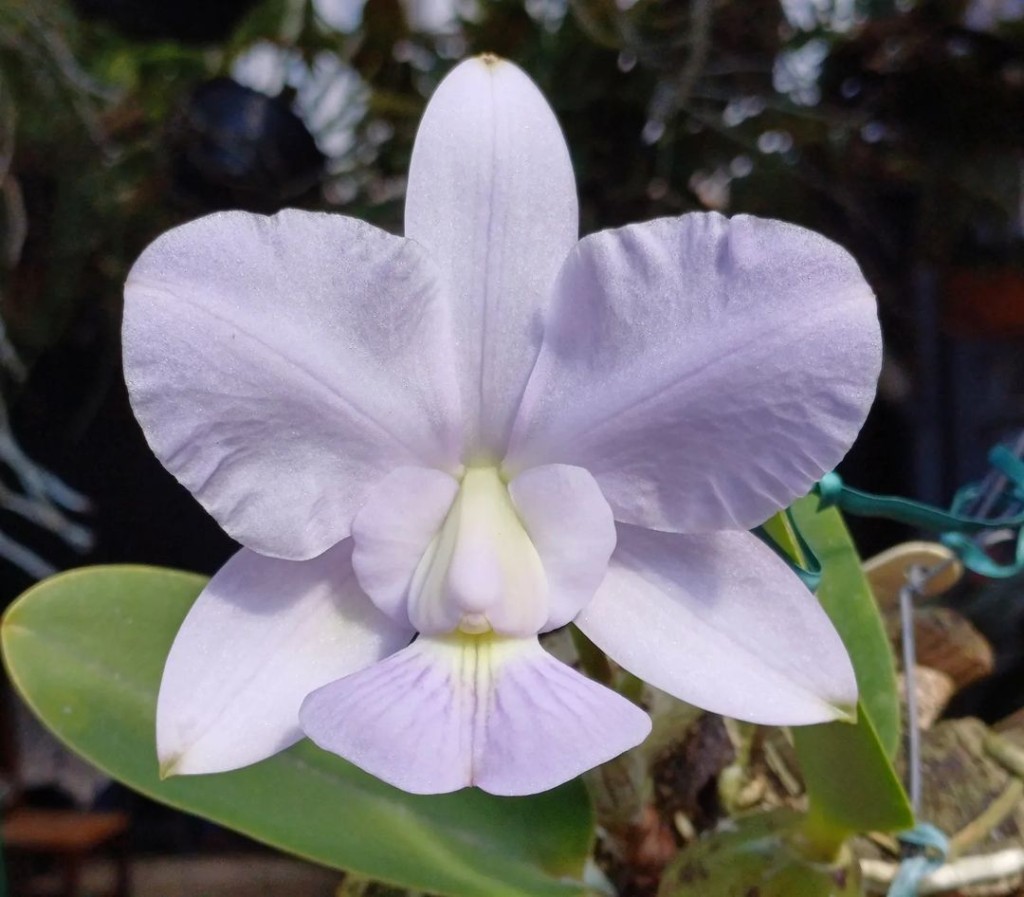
[(896, 128)]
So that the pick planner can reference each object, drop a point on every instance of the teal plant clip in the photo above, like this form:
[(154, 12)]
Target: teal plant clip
[(925, 850), (981, 515), (810, 570)]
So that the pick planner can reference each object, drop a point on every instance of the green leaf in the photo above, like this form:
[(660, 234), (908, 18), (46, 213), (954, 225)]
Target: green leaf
[(846, 596), (851, 784), (86, 650), (847, 769), (757, 855)]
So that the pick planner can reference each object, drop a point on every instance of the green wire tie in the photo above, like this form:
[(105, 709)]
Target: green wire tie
[(957, 529), (810, 571), (955, 526)]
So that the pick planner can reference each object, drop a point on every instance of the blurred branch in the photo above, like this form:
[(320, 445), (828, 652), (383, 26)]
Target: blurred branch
[(699, 39)]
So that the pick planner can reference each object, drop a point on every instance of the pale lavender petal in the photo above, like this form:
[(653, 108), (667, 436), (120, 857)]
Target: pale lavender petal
[(719, 621), (571, 526), (393, 530), (706, 371), (500, 714), (492, 198), (262, 635), (548, 724), (280, 366)]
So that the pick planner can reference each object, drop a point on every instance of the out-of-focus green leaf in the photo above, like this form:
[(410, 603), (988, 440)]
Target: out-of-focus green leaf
[(851, 784), (86, 650), (755, 856), (847, 769)]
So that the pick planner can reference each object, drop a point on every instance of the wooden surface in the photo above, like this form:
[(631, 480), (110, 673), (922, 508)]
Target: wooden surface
[(61, 831)]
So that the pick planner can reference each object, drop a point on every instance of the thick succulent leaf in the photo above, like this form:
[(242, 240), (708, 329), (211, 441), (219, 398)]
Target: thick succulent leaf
[(847, 768), (86, 648), (846, 596), (850, 781)]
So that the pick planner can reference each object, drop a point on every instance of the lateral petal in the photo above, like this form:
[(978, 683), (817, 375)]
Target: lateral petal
[(571, 526), (450, 712), (280, 366), (719, 621), (706, 371), (393, 530), (492, 199), (261, 636)]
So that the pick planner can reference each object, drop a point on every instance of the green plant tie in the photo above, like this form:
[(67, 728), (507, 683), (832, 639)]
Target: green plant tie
[(832, 492), (974, 557), (963, 529), (809, 571), (925, 849)]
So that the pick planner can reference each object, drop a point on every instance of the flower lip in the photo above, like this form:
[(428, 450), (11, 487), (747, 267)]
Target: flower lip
[(498, 713)]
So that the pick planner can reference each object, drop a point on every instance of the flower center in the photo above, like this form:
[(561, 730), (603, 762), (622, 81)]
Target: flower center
[(481, 572)]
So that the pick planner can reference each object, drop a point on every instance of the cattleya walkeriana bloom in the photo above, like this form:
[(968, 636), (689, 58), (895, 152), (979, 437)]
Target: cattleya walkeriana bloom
[(435, 448)]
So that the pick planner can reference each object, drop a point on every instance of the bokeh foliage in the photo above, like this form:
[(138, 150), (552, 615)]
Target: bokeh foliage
[(856, 118)]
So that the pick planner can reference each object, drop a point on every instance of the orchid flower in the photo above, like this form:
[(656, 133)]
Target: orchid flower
[(435, 448)]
